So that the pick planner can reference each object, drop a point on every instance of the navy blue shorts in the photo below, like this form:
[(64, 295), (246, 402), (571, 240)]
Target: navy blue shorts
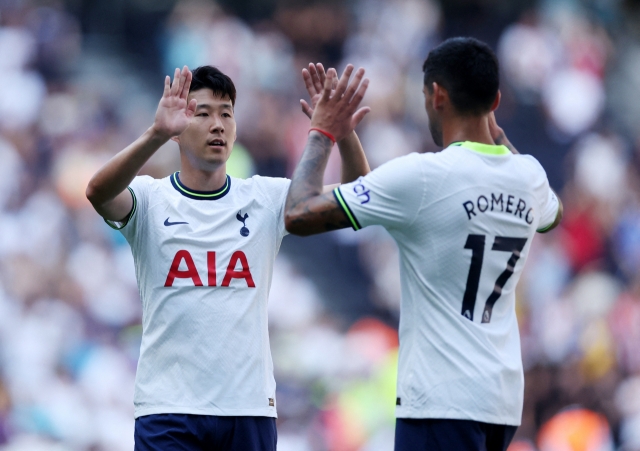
[(182, 432), (431, 434)]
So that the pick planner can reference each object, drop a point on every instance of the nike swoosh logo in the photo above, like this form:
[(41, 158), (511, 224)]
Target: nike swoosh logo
[(167, 223)]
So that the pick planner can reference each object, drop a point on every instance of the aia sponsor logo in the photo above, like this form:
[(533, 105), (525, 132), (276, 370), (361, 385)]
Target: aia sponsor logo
[(238, 258)]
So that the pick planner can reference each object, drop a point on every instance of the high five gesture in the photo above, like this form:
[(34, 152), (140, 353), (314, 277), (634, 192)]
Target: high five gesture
[(337, 110), (174, 111), (107, 190), (334, 117)]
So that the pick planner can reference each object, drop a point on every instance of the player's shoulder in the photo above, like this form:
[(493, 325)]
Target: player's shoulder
[(529, 160), (262, 183), (143, 180), (146, 183), (405, 163), (271, 189), (530, 165)]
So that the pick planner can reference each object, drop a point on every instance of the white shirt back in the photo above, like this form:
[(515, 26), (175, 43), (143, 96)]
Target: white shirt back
[(204, 263), (463, 220)]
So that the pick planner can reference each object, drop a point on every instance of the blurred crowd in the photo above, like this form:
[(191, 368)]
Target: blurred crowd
[(69, 305)]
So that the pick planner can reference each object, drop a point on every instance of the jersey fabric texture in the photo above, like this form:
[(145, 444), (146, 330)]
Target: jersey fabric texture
[(463, 220), (173, 431), (204, 262)]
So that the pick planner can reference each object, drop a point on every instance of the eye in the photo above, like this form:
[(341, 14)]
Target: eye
[(226, 115), (202, 114)]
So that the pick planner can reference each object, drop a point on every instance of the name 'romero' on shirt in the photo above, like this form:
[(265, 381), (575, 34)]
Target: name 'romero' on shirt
[(482, 204)]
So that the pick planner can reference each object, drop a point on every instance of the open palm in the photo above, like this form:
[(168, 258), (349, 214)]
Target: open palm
[(314, 78), (174, 111), (337, 111)]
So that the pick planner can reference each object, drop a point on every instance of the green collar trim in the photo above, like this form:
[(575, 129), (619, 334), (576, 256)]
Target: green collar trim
[(200, 195), (486, 149)]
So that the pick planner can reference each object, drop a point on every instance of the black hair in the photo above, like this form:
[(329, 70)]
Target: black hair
[(468, 69), (210, 77)]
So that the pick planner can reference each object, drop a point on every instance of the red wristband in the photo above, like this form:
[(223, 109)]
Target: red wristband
[(327, 134)]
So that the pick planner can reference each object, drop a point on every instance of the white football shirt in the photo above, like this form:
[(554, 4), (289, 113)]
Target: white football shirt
[(204, 262), (463, 220)]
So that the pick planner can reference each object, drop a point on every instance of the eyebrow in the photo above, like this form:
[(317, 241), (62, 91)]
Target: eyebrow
[(209, 107)]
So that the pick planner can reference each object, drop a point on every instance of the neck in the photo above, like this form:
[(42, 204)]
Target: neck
[(200, 179), (466, 128)]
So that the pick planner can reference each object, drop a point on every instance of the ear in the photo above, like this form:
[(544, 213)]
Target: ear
[(440, 96), (496, 102), (175, 138)]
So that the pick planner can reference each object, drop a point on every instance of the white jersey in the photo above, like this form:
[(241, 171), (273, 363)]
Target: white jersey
[(463, 220), (204, 263)]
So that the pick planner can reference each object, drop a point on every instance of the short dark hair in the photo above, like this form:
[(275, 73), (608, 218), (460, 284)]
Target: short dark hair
[(468, 69), (210, 77)]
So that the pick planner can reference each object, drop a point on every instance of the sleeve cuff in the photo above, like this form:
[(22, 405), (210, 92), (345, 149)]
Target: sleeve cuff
[(119, 225), (345, 207), (545, 229)]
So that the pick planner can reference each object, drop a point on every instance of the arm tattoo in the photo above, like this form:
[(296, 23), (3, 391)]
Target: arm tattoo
[(308, 209), (307, 178)]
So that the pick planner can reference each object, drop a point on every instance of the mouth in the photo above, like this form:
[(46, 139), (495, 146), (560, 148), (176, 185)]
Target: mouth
[(217, 142)]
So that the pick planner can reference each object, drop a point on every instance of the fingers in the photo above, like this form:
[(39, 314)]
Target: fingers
[(306, 109), (343, 82), (328, 83), (355, 84), (191, 107), (320, 76), (359, 95), (308, 82), (181, 80), (358, 116), (187, 82), (176, 81), (167, 86)]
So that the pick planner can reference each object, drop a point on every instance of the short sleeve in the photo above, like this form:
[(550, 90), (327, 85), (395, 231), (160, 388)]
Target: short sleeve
[(139, 189), (549, 208), (547, 199), (390, 196), (275, 190)]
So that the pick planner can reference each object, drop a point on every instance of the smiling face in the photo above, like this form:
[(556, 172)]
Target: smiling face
[(208, 140)]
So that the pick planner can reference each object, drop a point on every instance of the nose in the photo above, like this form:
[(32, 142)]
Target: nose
[(216, 125)]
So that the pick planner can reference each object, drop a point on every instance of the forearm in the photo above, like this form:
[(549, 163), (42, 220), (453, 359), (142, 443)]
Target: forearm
[(307, 178), (307, 210), (354, 160), (114, 177)]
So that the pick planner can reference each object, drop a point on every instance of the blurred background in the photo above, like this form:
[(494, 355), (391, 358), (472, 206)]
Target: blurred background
[(80, 79)]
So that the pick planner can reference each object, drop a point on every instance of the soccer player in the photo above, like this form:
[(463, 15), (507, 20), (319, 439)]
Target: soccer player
[(463, 220), (204, 245)]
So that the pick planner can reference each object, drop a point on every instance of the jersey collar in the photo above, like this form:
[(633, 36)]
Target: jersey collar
[(199, 195), (485, 149)]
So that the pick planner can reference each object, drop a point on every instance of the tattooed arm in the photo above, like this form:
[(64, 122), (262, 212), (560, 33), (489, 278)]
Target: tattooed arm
[(308, 210), (354, 160)]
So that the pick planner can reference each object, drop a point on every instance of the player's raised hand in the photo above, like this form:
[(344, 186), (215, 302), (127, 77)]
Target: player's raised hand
[(494, 129), (337, 109), (174, 112), (314, 78), (498, 135)]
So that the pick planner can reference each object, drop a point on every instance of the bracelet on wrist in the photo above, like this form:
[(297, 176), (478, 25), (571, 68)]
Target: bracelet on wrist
[(327, 134)]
